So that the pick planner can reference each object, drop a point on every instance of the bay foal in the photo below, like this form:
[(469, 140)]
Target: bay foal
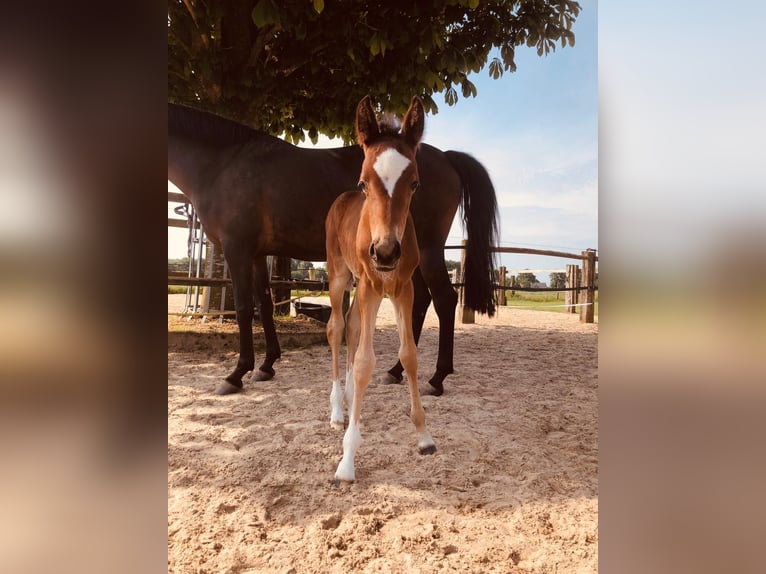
[(371, 237)]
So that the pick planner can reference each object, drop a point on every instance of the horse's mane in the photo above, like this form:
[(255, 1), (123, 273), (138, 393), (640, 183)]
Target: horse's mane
[(209, 128), (389, 125)]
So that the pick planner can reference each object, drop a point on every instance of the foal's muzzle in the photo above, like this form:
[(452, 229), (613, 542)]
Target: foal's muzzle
[(385, 254)]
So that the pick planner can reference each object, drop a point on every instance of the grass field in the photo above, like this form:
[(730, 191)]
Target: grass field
[(543, 301)]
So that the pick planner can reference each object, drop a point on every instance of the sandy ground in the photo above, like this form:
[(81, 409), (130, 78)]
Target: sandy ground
[(512, 488)]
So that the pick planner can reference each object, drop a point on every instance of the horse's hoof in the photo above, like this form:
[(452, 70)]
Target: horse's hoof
[(260, 375), (226, 388), (389, 379), (432, 392), (337, 425), (430, 449)]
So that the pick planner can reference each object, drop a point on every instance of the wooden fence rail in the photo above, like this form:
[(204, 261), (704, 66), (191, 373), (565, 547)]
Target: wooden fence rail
[(529, 251), (579, 291)]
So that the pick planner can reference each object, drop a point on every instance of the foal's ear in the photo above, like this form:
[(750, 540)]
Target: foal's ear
[(366, 122), (414, 122)]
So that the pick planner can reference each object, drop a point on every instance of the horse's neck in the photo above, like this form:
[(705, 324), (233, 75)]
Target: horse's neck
[(188, 162)]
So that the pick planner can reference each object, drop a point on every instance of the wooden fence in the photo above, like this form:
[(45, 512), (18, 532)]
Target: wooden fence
[(580, 286)]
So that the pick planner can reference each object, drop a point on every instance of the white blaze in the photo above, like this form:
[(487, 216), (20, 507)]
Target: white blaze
[(389, 166)]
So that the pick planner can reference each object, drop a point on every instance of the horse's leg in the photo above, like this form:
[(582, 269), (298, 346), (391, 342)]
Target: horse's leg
[(340, 279), (437, 278), (353, 329), (409, 358), (364, 364), (419, 309), (241, 269), (266, 308)]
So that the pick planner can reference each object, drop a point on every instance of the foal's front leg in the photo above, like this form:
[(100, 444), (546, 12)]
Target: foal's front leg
[(409, 359), (368, 302), (340, 278)]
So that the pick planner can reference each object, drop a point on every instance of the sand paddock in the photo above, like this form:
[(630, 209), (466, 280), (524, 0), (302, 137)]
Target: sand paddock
[(512, 487)]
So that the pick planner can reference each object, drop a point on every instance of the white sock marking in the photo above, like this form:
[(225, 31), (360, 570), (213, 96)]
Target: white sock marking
[(351, 441), (336, 406), (389, 166)]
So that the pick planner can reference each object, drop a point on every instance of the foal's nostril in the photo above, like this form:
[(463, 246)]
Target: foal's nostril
[(397, 251), (372, 252)]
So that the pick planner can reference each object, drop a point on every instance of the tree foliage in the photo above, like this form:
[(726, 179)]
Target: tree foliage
[(292, 65), (525, 279), (558, 279)]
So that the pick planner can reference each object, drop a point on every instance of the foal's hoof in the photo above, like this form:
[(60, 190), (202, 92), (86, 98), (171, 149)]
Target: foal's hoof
[(226, 388), (430, 449), (389, 379), (260, 375)]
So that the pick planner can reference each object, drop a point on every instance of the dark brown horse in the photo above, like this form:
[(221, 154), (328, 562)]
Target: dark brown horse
[(257, 195)]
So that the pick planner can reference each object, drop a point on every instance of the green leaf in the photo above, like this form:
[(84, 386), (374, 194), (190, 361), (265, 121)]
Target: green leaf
[(429, 104), (318, 6), (495, 69), (437, 39), (260, 13), (265, 13), (450, 96), (468, 88), (375, 45)]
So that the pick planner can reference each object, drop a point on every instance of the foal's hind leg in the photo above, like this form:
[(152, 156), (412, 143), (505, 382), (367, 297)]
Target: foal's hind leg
[(353, 329), (409, 358), (340, 278)]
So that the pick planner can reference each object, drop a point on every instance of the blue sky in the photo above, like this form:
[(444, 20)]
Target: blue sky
[(536, 132)]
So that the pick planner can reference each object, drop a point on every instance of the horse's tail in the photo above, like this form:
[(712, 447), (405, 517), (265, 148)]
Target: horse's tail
[(480, 220)]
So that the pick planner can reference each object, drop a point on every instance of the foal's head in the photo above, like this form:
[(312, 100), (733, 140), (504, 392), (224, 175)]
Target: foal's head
[(389, 177)]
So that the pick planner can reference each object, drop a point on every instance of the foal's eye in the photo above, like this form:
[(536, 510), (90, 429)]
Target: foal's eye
[(362, 186), (414, 185)]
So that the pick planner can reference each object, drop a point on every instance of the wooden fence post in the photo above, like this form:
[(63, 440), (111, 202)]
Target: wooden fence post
[(281, 270), (572, 280), (587, 311), (466, 315), (215, 265), (501, 292)]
